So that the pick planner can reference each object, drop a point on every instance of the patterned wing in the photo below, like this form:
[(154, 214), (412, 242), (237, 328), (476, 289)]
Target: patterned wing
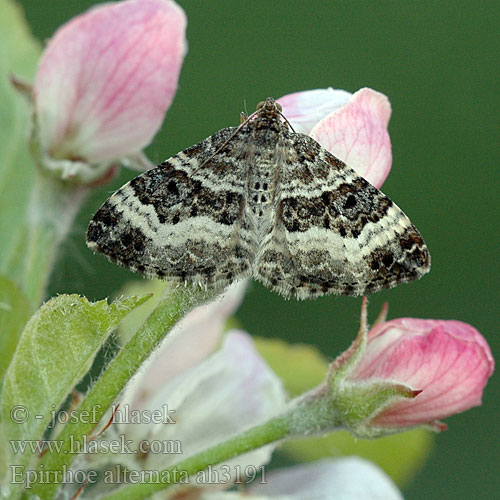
[(333, 232), (183, 220)]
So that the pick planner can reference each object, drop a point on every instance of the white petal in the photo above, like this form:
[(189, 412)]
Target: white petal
[(349, 478), (231, 390), (191, 341), (305, 109)]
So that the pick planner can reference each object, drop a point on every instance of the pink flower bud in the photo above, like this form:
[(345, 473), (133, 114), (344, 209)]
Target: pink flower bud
[(448, 361), (353, 127), (107, 78)]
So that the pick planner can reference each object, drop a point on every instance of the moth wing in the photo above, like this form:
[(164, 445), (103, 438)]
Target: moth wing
[(333, 232), (183, 220)]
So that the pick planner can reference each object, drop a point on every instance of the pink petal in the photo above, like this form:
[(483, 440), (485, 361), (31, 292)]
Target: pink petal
[(107, 78), (357, 134), (448, 360), (305, 109)]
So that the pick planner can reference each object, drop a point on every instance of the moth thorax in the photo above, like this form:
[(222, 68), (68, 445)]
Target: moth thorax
[(260, 193), (268, 123)]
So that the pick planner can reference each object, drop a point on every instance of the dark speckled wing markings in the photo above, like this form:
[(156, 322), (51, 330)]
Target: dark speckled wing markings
[(179, 220), (263, 201), (333, 232)]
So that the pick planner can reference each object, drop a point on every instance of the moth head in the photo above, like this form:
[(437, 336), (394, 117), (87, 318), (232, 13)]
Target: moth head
[(269, 104)]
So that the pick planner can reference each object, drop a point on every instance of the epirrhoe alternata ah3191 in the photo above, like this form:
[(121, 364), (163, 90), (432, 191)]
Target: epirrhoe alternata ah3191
[(265, 202)]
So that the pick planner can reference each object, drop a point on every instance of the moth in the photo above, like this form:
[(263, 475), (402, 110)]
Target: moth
[(260, 201)]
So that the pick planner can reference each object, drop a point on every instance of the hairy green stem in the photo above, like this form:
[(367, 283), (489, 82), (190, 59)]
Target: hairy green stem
[(175, 304), (308, 414), (51, 212), (273, 430)]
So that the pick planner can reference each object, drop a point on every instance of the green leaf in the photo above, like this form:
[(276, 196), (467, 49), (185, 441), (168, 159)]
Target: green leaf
[(19, 53), (175, 303), (56, 349), (136, 318), (14, 313)]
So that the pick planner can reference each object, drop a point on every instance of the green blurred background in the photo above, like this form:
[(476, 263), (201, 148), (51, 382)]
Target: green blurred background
[(438, 64)]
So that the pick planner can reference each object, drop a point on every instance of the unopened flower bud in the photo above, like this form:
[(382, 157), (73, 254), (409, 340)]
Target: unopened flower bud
[(448, 362), (104, 83), (408, 372)]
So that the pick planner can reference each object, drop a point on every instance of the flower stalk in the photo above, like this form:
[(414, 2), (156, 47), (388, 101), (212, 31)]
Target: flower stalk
[(304, 416), (53, 207), (269, 432)]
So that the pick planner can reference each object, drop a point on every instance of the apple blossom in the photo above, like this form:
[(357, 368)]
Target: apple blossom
[(379, 378), (101, 90), (104, 83), (449, 362), (229, 391), (202, 328), (353, 127)]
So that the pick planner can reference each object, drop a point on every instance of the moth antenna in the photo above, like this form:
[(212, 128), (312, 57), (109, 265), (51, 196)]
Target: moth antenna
[(244, 120), (286, 121), (220, 148)]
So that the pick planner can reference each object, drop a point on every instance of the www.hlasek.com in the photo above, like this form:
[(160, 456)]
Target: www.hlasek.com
[(222, 474), (89, 445)]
